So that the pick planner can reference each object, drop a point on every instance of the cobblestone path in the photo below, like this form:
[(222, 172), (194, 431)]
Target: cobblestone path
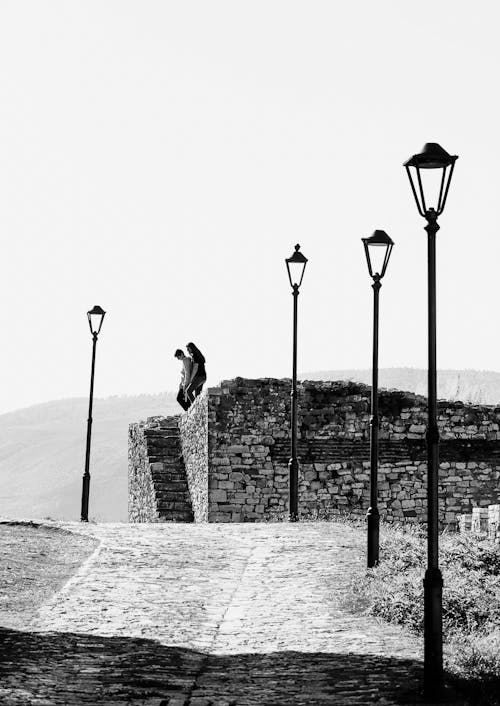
[(210, 615)]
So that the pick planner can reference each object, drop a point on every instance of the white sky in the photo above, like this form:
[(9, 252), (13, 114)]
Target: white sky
[(161, 159)]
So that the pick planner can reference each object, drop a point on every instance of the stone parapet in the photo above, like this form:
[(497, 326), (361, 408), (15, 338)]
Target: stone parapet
[(193, 428), (141, 493), (249, 449)]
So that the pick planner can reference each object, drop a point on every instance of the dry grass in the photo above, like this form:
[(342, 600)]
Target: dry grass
[(35, 561), (471, 600)]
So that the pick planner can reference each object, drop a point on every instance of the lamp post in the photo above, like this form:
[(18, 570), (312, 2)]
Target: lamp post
[(378, 250), (296, 265), (437, 167), (95, 317)]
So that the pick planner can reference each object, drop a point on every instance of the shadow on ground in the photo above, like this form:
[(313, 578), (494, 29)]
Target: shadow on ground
[(67, 668)]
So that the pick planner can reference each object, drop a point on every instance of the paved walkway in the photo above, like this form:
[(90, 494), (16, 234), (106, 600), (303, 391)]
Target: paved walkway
[(211, 615)]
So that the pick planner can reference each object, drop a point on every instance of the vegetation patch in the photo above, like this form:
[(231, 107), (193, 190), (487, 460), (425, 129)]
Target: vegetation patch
[(471, 600), (36, 560)]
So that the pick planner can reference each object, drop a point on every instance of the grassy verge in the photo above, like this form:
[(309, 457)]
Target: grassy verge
[(36, 560), (471, 601)]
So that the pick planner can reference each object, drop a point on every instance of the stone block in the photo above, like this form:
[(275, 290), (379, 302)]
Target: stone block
[(236, 449), (226, 485), (465, 522), (479, 520), (494, 522), (220, 461)]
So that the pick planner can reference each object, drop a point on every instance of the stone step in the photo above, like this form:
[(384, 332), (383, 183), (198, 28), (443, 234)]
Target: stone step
[(176, 516), (171, 496), (167, 461), (177, 485), (163, 432), (161, 439), (179, 505), (168, 477), (167, 450), (170, 466), (168, 474), (164, 451)]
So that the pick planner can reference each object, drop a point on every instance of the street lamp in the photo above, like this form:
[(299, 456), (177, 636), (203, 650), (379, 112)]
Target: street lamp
[(435, 166), (378, 250), (296, 265), (95, 317)]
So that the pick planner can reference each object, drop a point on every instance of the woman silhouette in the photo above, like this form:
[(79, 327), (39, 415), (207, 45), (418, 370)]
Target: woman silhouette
[(198, 372)]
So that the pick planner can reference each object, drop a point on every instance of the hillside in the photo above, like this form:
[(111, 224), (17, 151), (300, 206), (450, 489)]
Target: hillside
[(470, 386), (42, 456)]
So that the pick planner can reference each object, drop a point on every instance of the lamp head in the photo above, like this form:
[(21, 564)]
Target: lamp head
[(296, 265), (378, 248), (438, 165), (95, 317)]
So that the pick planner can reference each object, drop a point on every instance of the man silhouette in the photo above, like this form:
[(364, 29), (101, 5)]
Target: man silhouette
[(187, 365)]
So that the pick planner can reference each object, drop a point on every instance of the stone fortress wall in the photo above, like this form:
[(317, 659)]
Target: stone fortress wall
[(235, 444)]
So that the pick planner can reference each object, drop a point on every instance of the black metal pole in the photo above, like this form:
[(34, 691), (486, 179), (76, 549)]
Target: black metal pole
[(372, 515), (86, 474), (433, 581), (293, 464)]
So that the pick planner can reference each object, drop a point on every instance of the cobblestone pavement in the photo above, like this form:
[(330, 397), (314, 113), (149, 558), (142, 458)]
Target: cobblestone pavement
[(210, 615)]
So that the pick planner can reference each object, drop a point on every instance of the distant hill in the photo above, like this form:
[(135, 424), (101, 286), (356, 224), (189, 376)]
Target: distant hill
[(42, 456), (470, 386)]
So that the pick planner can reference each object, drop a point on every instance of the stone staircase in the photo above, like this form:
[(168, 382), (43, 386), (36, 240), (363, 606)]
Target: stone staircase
[(173, 502)]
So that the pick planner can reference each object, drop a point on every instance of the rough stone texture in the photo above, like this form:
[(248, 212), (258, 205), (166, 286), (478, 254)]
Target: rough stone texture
[(158, 490), (193, 427), (249, 448), (236, 442), (141, 493)]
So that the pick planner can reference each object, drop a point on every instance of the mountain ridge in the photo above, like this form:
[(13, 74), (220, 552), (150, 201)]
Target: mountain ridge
[(468, 385)]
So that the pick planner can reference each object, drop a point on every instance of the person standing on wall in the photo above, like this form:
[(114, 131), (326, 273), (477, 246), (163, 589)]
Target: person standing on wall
[(187, 365), (198, 373)]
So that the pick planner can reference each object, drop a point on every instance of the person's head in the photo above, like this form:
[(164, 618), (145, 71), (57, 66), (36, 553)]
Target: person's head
[(195, 352), (179, 354)]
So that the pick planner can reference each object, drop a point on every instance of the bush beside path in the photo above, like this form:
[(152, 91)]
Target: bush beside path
[(210, 615)]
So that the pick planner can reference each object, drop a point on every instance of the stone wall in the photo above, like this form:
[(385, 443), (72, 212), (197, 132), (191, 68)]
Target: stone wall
[(235, 444), (193, 426), (249, 448), (141, 492)]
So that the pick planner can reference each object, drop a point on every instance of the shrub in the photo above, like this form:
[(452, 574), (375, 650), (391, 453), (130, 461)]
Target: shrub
[(471, 599), (476, 656)]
